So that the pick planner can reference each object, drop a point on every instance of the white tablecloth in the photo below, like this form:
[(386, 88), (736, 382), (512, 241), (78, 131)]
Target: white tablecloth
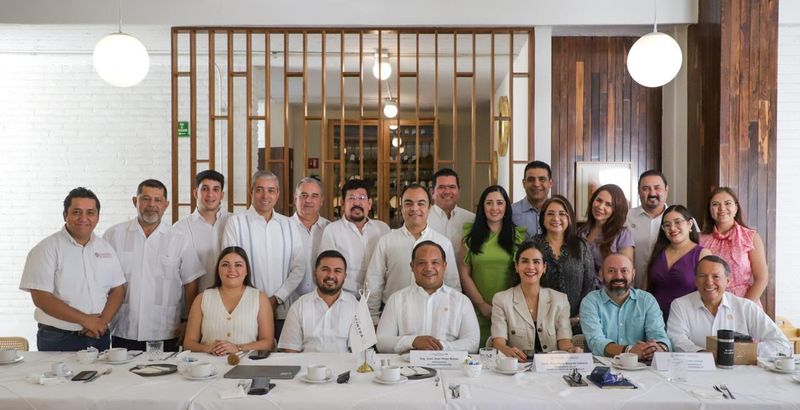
[(754, 387)]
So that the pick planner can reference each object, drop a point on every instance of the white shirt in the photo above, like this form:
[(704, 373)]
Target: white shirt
[(310, 243), (156, 268), (356, 246), (206, 239), (274, 250), (690, 322), (80, 276), (447, 315), (645, 232), (452, 227), (312, 326), (390, 267), (239, 326)]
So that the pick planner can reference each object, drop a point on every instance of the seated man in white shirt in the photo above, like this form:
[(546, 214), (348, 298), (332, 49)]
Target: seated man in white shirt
[(428, 315), (710, 308), (320, 321)]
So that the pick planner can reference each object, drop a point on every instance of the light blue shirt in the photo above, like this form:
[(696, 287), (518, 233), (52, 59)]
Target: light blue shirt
[(638, 319), (523, 214)]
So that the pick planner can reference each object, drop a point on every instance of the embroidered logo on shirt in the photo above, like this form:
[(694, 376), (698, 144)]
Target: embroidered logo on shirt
[(103, 254)]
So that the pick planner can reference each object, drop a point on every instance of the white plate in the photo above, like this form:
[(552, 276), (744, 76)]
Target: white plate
[(511, 372), (17, 360), (402, 379), (305, 379), (190, 377), (618, 365)]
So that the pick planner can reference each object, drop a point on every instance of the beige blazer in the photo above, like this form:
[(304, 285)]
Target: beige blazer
[(512, 321)]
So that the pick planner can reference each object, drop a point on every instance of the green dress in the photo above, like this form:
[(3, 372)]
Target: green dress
[(492, 271)]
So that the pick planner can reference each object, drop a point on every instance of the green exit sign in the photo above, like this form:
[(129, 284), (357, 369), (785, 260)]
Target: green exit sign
[(183, 128)]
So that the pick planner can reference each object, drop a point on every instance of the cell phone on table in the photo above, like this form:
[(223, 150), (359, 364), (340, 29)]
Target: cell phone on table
[(259, 354), (84, 375)]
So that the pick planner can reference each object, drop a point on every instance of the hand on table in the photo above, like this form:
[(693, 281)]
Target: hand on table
[(222, 347), (513, 352), (645, 350), (427, 343)]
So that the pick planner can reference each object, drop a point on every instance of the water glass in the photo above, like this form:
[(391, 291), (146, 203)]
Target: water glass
[(488, 355), (678, 368), (155, 350)]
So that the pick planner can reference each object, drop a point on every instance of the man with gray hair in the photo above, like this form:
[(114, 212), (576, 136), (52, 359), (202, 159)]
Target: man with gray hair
[(272, 242), (709, 308), (307, 203)]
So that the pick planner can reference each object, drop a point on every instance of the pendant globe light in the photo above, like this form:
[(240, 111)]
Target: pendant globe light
[(121, 59), (381, 69), (655, 58)]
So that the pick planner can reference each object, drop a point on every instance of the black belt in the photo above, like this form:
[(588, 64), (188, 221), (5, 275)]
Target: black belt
[(55, 329)]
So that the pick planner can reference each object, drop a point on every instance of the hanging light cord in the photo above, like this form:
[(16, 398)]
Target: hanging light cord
[(655, 16), (119, 15)]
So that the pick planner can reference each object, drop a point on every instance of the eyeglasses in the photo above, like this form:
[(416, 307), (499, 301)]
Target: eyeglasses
[(675, 222), (357, 198)]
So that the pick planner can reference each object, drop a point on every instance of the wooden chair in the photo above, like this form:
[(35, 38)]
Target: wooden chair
[(13, 342)]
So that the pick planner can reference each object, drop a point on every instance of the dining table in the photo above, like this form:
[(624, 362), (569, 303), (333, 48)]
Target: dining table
[(754, 387)]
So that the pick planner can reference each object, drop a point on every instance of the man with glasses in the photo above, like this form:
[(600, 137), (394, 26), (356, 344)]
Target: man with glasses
[(273, 244), (446, 217), (537, 182), (389, 270), (307, 203), (162, 270), (645, 220), (355, 234)]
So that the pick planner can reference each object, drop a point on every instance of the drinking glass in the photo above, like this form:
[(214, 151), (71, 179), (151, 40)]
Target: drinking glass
[(488, 355), (155, 349)]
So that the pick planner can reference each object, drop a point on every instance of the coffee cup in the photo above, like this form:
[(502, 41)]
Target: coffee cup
[(391, 373), (317, 372), (117, 354), (7, 355), (785, 364), (58, 369), (201, 369), (627, 359), (86, 356), (508, 364)]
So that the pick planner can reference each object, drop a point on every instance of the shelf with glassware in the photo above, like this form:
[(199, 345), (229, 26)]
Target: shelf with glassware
[(356, 135), (404, 157)]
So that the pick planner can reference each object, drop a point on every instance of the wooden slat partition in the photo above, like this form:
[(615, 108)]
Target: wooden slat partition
[(732, 114), (599, 113)]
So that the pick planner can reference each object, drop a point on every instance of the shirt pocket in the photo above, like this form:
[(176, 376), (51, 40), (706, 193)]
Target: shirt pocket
[(168, 281), (67, 287), (519, 337)]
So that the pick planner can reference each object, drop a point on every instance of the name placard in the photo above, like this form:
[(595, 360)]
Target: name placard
[(438, 359), (562, 362), (696, 362)]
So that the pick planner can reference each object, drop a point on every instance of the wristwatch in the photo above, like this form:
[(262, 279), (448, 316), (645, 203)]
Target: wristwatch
[(239, 347), (628, 348)]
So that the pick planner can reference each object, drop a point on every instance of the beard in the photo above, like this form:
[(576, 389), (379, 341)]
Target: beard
[(359, 218), (618, 290), (328, 290)]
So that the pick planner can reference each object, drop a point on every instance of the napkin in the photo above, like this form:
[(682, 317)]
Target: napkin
[(707, 394), (232, 393)]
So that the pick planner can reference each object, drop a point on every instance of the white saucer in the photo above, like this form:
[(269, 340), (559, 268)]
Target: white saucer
[(17, 360), (639, 366), (771, 359), (128, 360), (510, 372), (402, 379), (305, 379), (773, 369), (188, 376)]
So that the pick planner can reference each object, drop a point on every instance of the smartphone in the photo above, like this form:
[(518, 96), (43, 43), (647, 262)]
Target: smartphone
[(84, 375), (260, 386), (259, 354)]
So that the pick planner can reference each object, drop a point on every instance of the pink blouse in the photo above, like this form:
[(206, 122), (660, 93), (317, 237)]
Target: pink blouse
[(733, 246)]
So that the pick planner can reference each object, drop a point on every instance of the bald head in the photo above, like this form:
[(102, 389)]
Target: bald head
[(617, 274)]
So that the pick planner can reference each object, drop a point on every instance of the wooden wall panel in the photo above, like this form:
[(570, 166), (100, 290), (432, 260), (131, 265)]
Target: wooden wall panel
[(599, 113), (732, 112)]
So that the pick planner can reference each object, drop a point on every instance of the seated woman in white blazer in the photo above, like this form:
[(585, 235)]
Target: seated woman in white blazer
[(528, 318)]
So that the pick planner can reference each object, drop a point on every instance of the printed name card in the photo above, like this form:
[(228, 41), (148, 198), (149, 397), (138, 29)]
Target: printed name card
[(438, 359), (696, 362), (563, 362)]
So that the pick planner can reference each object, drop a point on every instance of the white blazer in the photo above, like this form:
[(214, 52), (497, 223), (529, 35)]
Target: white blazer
[(512, 321)]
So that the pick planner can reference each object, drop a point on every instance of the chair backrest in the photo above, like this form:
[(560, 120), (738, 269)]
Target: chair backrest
[(13, 342)]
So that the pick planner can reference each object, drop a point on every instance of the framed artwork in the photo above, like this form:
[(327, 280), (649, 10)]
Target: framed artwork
[(591, 175)]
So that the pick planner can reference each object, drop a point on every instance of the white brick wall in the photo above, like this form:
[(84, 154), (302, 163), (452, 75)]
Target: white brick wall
[(788, 227)]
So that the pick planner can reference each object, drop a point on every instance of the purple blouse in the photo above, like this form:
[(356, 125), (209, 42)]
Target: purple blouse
[(667, 284)]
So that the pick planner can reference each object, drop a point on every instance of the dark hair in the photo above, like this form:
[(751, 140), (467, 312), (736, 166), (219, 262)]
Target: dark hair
[(708, 221), (539, 164), (428, 243), (241, 252), (445, 172), (331, 253), (714, 259), (652, 173), (354, 184), (209, 174), (662, 242), (571, 239), (80, 192), (524, 246), (480, 229), (151, 183), (613, 226), (416, 185)]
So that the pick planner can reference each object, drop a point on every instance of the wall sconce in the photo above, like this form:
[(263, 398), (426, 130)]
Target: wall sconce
[(121, 59)]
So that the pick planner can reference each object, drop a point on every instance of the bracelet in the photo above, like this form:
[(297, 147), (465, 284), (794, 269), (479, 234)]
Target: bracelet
[(628, 348)]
